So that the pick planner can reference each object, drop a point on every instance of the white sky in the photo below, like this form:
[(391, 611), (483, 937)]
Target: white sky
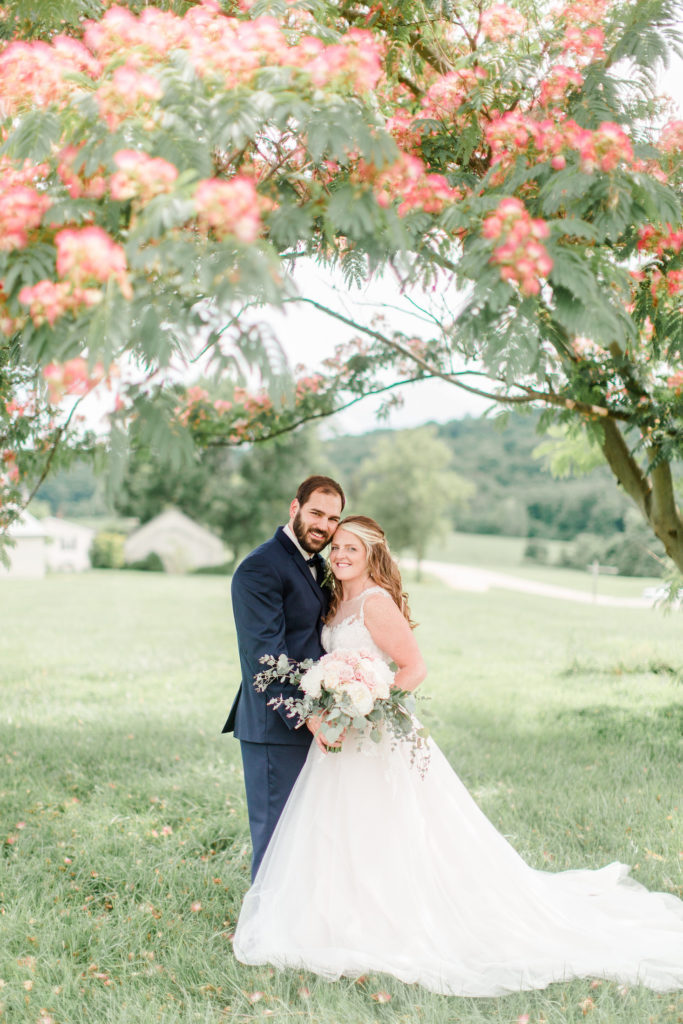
[(309, 336)]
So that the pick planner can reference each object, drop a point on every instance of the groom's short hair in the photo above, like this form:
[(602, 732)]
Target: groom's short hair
[(319, 483)]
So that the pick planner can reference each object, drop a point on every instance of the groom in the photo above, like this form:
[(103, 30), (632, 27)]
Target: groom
[(279, 603)]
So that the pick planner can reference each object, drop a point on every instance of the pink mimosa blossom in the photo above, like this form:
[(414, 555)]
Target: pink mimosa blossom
[(71, 378), (196, 394), (89, 254), (522, 258), (408, 179), (355, 62), (153, 33), (229, 208), (39, 74), (500, 21), (93, 187), (130, 92), (140, 176), (671, 138), (21, 211), (47, 300), (559, 80), (309, 385), (447, 94)]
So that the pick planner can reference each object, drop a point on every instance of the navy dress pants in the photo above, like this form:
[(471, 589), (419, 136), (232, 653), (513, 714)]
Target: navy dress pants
[(270, 771)]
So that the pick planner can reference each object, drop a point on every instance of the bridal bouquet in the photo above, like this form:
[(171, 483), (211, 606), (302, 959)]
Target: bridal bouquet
[(347, 689)]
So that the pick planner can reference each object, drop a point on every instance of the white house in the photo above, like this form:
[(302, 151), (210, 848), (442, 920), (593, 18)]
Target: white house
[(27, 556), (68, 547), (180, 543)]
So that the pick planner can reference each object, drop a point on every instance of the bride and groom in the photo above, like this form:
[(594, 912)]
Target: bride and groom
[(363, 864)]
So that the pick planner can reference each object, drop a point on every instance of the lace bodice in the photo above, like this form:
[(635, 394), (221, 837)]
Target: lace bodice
[(348, 629)]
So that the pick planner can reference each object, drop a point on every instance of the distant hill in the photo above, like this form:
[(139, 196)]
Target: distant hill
[(515, 495)]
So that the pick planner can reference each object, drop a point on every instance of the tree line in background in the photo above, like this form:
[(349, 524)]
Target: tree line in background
[(474, 475)]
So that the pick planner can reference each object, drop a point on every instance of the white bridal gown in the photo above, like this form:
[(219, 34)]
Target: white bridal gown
[(373, 868)]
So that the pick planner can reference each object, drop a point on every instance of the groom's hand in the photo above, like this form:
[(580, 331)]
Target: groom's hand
[(314, 723)]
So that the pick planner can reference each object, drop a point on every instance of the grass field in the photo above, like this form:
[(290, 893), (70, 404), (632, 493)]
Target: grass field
[(122, 819)]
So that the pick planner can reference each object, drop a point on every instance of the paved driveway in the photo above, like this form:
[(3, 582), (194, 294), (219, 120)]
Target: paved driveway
[(469, 577)]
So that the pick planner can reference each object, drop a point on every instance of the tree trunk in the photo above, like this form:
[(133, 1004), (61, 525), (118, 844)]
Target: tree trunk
[(653, 494)]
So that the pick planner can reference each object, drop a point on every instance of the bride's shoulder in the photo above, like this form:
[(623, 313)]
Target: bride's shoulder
[(375, 594), (374, 604)]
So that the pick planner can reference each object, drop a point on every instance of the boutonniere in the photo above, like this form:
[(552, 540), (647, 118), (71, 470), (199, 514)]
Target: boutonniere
[(327, 582)]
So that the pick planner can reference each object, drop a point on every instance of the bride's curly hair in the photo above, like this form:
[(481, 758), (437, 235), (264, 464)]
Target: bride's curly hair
[(382, 567)]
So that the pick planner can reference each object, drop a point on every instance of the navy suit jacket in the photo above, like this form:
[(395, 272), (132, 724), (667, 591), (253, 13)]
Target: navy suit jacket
[(278, 609)]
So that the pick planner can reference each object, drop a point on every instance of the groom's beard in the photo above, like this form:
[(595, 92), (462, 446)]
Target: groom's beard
[(307, 535)]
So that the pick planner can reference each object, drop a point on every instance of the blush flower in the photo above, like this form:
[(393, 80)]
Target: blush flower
[(500, 21), (140, 176), (522, 257), (229, 208), (87, 255)]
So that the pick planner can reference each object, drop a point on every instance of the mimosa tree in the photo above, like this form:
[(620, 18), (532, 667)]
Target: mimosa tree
[(162, 170)]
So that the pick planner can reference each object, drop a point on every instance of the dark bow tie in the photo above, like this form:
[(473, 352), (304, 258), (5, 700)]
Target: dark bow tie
[(313, 560)]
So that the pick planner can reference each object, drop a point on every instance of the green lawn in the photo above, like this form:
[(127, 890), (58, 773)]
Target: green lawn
[(123, 828)]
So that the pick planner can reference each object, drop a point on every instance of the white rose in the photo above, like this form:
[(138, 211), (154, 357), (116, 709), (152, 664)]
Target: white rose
[(361, 698), (332, 679), (311, 681), (379, 676)]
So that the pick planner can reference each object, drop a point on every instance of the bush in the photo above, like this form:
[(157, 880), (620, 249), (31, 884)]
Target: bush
[(536, 551), (150, 563), (106, 551), (584, 550), (632, 554), (214, 570)]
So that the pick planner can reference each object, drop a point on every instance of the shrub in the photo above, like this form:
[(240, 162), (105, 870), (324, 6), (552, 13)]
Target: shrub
[(150, 563), (536, 551), (106, 551)]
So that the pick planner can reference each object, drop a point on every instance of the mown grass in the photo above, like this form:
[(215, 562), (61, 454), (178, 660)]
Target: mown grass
[(123, 827)]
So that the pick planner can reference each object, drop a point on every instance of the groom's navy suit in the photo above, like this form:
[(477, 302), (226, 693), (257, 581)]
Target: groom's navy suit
[(278, 608)]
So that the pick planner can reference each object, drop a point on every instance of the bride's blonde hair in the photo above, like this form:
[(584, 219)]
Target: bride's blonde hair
[(381, 566)]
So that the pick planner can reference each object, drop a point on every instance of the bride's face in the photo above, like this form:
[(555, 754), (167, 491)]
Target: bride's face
[(348, 557)]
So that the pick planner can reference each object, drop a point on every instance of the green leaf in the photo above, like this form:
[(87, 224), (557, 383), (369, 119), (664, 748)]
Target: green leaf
[(35, 136), (572, 270)]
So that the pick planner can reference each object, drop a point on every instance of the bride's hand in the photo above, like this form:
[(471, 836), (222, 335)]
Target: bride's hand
[(314, 723)]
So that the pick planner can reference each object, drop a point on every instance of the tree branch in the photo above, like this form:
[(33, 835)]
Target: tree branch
[(61, 431), (322, 414), (530, 394)]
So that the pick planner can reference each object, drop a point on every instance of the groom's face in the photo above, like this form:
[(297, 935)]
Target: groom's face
[(314, 522)]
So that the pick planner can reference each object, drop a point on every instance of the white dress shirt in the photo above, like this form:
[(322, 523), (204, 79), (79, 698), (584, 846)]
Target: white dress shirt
[(306, 554)]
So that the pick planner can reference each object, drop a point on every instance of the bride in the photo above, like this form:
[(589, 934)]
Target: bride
[(376, 867)]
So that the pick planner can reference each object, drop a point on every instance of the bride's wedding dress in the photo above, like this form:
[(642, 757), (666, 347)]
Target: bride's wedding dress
[(373, 868)]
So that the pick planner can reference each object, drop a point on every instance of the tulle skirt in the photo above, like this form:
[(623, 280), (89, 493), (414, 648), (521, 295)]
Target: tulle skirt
[(374, 868)]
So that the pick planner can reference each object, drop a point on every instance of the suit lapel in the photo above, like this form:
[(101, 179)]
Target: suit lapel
[(299, 562)]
